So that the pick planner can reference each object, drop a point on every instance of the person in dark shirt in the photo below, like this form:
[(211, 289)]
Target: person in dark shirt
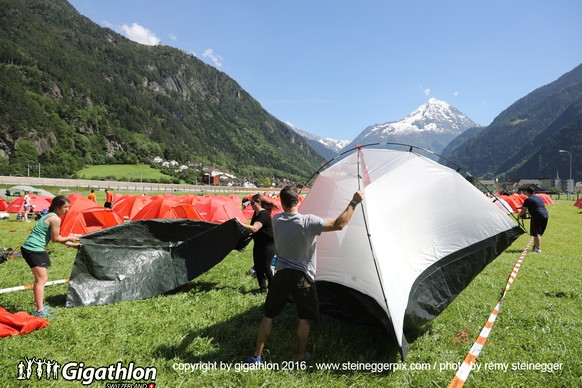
[(264, 245), (539, 217)]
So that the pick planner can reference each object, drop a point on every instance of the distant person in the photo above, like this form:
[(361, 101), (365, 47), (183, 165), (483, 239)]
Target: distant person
[(264, 245), (294, 235), (26, 206), (92, 196), (539, 217), (108, 199), (33, 250)]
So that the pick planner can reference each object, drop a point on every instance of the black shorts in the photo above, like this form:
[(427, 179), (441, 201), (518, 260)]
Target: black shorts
[(290, 281), (36, 259), (537, 226), (108, 205)]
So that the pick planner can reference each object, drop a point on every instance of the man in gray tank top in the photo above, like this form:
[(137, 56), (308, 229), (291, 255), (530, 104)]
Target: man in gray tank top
[(294, 235)]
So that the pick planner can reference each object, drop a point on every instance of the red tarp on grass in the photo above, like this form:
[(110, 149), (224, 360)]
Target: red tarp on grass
[(19, 323)]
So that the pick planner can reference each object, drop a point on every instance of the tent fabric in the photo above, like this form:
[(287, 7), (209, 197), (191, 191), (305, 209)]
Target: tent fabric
[(422, 233), (39, 202), (510, 201), (142, 259), (218, 209), (129, 206), (24, 189), (86, 216), (165, 207), (19, 323), (546, 198), (3, 204)]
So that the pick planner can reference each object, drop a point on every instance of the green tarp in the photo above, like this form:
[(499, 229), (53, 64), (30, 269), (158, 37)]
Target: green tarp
[(142, 259)]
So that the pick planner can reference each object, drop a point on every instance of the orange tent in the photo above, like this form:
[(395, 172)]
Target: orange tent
[(39, 203), (85, 216), (546, 198), (219, 209), (518, 199), (167, 208), (510, 199), (166, 196), (128, 207), (73, 197)]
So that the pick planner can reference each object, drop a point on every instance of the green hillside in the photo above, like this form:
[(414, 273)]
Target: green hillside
[(524, 140), (73, 94)]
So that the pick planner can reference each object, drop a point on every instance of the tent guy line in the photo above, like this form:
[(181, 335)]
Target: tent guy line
[(465, 369)]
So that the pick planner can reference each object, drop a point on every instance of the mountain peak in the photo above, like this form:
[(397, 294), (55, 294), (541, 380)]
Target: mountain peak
[(432, 125)]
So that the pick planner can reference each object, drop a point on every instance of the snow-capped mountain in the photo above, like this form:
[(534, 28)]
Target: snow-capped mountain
[(327, 147), (431, 126)]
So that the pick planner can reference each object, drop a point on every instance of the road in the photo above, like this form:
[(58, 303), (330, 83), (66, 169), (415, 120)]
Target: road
[(84, 184)]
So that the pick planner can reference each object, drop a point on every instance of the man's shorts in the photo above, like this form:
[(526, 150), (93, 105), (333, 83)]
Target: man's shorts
[(295, 283), (538, 226), (36, 259)]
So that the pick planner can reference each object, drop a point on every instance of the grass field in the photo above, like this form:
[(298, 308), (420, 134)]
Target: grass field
[(135, 172), (211, 325)]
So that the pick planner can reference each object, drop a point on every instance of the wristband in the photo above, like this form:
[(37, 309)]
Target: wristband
[(352, 202)]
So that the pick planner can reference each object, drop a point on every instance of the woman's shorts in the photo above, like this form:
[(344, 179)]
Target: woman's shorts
[(36, 259)]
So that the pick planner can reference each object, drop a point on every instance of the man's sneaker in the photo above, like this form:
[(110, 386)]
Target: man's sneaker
[(536, 250), (254, 360)]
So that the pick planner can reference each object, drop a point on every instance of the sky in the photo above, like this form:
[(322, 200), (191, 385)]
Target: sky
[(335, 67)]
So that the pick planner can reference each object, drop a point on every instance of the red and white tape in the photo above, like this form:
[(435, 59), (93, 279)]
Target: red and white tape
[(467, 366), (27, 286)]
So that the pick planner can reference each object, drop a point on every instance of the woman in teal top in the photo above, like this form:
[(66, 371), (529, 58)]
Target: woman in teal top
[(33, 250)]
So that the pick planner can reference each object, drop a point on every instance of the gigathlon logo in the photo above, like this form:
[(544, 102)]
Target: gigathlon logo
[(43, 369)]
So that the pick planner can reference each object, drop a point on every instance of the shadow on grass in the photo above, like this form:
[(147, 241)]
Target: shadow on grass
[(198, 287), (331, 340), (57, 300)]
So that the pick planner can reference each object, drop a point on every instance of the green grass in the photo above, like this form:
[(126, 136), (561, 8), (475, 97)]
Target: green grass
[(122, 171), (215, 319)]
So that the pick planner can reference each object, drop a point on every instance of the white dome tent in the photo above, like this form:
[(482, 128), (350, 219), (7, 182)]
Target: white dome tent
[(422, 233)]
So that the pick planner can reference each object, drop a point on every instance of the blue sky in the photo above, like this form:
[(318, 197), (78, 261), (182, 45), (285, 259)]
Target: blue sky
[(333, 68)]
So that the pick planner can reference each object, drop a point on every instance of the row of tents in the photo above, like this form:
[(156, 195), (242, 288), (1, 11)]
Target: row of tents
[(514, 202), (86, 216)]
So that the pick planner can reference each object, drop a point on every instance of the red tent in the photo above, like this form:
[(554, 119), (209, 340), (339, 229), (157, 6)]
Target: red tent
[(219, 209), (546, 198), (85, 216), (578, 203), (39, 203), (128, 207), (166, 196), (167, 208), (73, 197), (510, 199), (518, 198), (3, 204)]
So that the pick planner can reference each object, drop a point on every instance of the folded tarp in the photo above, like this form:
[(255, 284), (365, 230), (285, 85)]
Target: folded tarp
[(19, 323), (142, 259)]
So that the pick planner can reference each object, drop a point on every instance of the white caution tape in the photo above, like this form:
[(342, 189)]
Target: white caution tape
[(467, 366)]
